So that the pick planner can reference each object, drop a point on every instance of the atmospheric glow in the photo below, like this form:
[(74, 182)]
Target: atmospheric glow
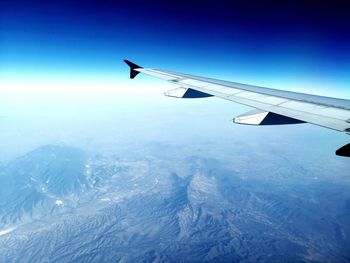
[(53, 84)]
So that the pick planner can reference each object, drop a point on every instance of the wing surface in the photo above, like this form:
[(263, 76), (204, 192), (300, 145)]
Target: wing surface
[(274, 106)]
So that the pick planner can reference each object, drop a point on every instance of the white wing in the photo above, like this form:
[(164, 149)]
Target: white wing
[(272, 106)]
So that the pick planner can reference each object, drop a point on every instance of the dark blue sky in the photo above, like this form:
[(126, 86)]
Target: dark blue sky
[(263, 39)]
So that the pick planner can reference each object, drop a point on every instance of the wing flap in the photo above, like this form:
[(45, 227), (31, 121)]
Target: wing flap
[(257, 117), (186, 93), (344, 151)]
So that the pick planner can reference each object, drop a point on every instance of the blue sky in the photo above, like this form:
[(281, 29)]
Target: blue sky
[(269, 43), (61, 66)]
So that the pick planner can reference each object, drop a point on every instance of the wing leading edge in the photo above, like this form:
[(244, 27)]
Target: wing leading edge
[(273, 106)]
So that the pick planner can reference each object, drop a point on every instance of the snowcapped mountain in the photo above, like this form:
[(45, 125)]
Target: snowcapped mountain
[(38, 182), (59, 204)]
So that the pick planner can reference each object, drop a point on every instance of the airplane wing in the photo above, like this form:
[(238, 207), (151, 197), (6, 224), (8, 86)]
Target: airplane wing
[(272, 106)]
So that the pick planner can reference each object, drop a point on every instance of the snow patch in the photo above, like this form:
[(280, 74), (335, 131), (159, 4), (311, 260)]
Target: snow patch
[(87, 170), (6, 231), (59, 202)]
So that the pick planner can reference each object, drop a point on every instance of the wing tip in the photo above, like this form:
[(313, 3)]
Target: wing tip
[(133, 66)]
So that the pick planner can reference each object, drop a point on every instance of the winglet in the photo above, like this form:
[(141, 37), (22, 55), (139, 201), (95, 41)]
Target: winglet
[(133, 72)]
